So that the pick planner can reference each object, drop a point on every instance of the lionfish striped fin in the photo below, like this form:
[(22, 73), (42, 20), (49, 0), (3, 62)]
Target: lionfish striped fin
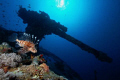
[(31, 38), (37, 42), (27, 36)]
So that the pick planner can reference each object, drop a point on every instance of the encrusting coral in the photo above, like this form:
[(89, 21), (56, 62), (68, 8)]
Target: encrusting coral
[(5, 47), (11, 67), (28, 72), (9, 59)]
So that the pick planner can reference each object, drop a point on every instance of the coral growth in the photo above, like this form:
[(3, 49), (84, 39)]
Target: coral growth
[(5, 47), (9, 59), (45, 67), (11, 67), (29, 72)]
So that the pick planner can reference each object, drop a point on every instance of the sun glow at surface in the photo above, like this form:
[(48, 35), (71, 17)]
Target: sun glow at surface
[(61, 4)]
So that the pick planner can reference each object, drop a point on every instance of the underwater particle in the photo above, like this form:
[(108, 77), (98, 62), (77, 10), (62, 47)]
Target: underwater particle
[(3, 10), (5, 23), (29, 6), (1, 4), (3, 15)]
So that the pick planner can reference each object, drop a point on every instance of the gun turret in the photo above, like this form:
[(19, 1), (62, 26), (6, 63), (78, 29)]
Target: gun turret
[(40, 25)]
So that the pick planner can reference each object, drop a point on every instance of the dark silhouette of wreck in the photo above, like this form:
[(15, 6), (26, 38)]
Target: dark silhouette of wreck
[(55, 63), (40, 25)]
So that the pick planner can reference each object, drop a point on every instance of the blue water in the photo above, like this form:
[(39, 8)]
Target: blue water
[(94, 22)]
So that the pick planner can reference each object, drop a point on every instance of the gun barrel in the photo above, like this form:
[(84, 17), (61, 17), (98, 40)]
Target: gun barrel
[(98, 54)]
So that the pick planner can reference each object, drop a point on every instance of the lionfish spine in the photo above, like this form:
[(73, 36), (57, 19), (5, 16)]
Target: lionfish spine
[(37, 42), (27, 37), (31, 38), (35, 39)]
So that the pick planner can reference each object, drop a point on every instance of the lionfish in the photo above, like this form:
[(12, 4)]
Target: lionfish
[(28, 43)]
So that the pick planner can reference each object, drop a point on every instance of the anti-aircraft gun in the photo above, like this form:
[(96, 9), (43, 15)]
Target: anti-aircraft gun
[(40, 25)]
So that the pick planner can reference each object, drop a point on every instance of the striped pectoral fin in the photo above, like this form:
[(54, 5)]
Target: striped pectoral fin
[(17, 44), (17, 40), (23, 50)]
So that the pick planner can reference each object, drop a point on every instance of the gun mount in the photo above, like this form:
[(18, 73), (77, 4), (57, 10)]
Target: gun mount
[(40, 25)]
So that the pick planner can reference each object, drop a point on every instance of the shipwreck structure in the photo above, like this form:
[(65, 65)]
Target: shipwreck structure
[(55, 63), (40, 25)]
